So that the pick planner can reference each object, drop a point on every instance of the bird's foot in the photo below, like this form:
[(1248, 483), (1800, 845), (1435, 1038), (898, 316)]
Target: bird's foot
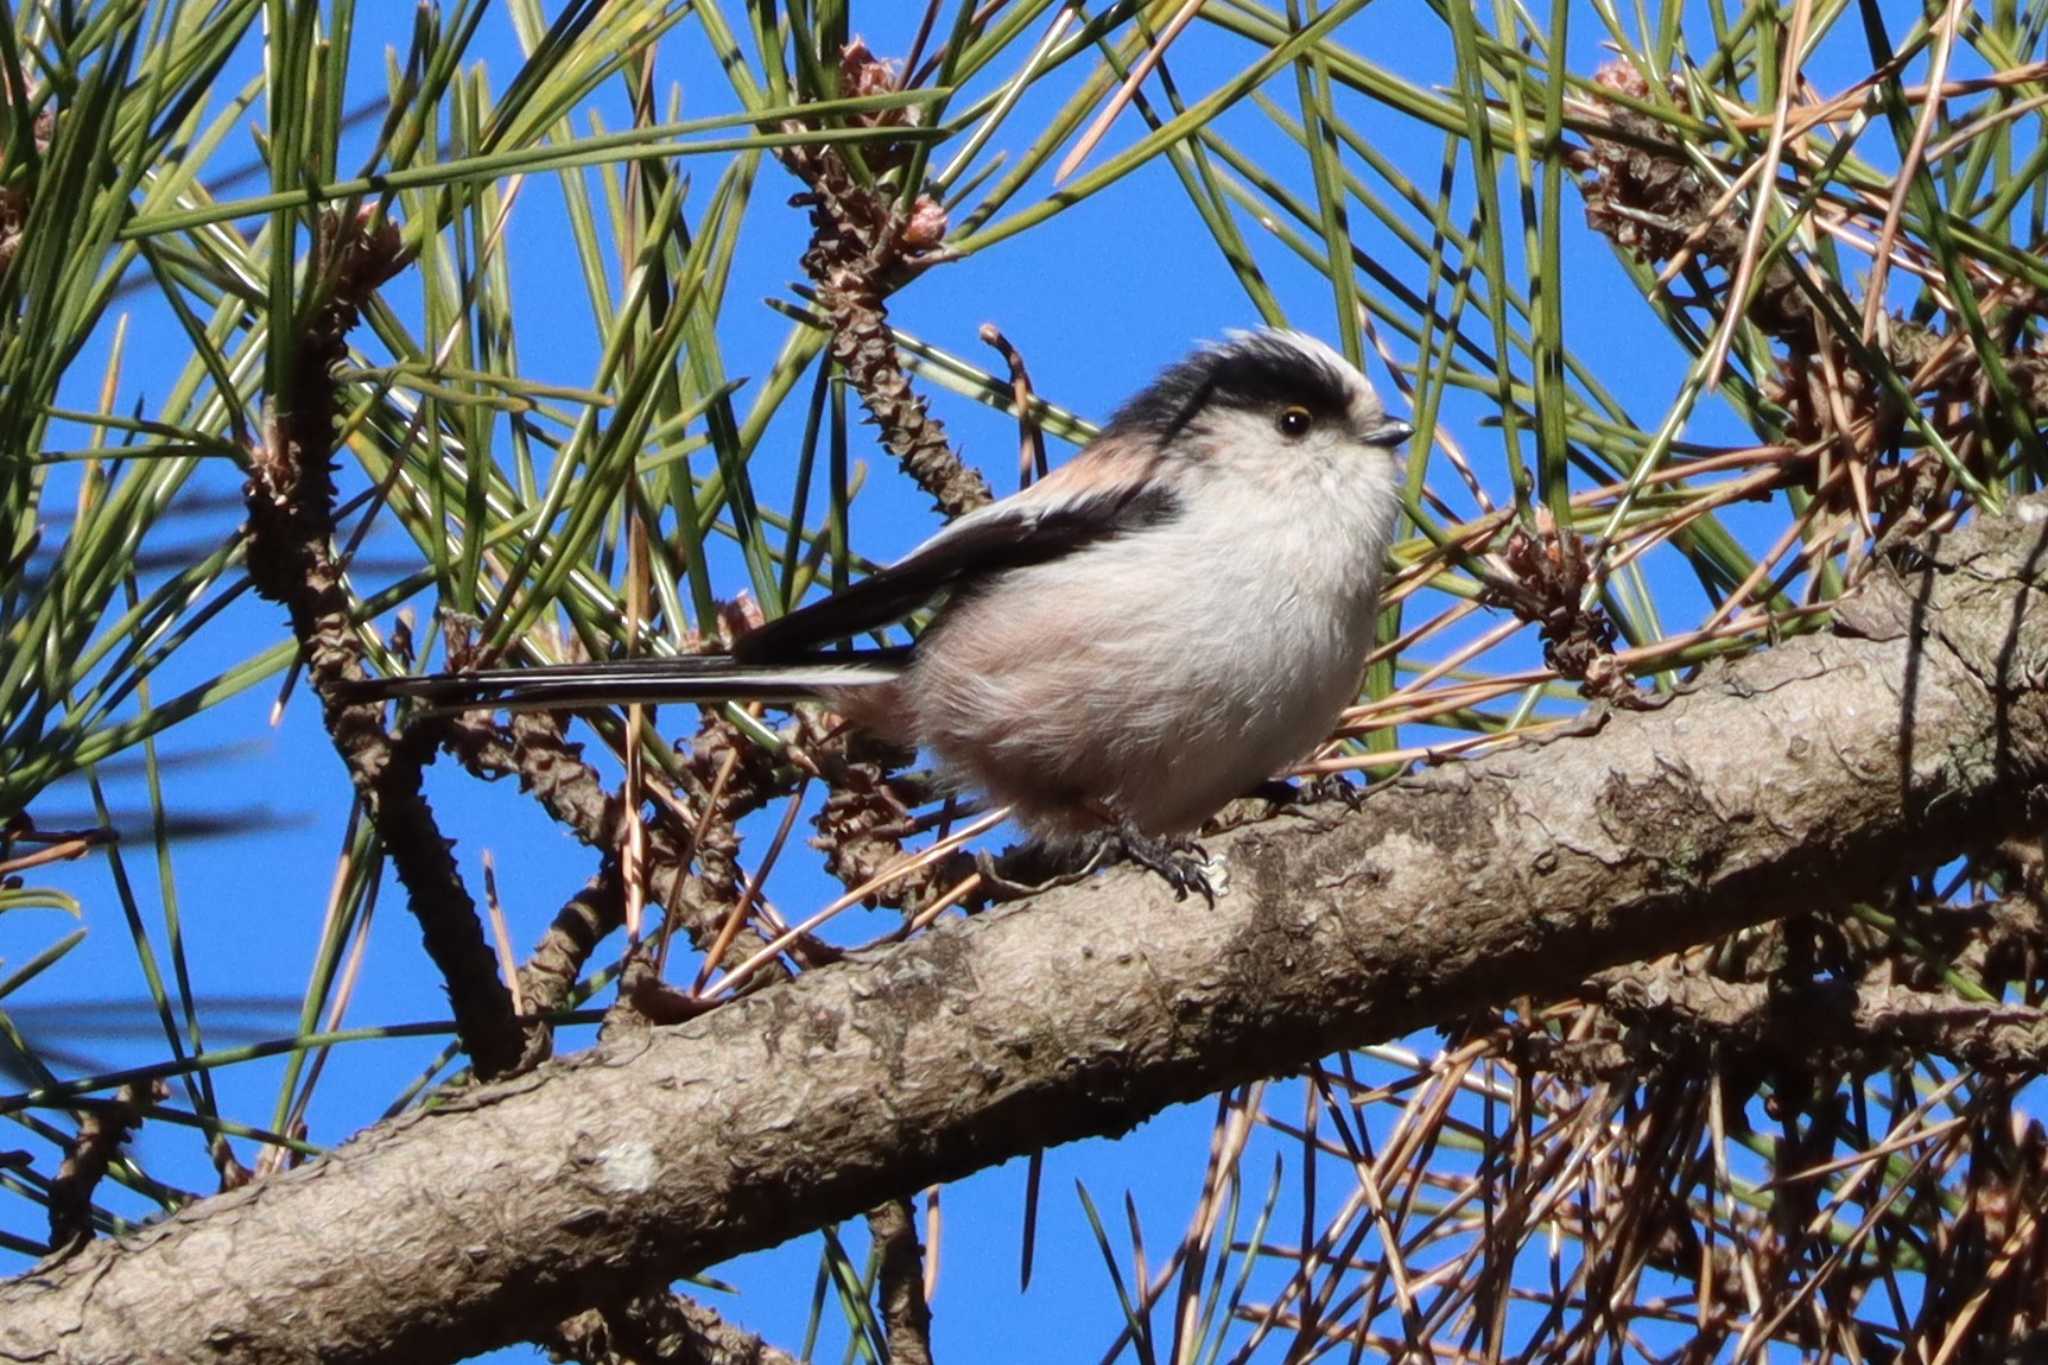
[(1180, 860), (1336, 787), (1290, 796)]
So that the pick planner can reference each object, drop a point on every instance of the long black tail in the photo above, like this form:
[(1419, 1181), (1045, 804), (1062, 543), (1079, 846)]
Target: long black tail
[(651, 681)]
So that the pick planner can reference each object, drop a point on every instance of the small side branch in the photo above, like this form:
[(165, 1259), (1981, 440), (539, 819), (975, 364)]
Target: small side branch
[(101, 1131), (1866, 1027), (290, 500), (659, 1329), (900, 1281), (863, 248)]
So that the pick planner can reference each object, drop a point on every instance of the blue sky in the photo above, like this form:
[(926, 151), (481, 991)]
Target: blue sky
[(1098, 299)]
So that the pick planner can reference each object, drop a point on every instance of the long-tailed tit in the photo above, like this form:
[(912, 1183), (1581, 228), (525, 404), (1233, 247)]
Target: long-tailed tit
[(1156, 628)]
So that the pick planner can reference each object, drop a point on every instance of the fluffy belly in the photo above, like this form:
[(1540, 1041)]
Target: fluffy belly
[(1120, 725)]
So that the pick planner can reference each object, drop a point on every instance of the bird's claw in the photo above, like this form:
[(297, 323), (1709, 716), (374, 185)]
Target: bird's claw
[(1180, 860), (1337, 787), (1317, 790)]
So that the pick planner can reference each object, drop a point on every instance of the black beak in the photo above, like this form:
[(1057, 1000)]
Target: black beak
[(1389, 433)]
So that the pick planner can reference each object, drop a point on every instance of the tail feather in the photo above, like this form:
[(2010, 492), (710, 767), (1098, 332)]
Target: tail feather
[(649, 681)]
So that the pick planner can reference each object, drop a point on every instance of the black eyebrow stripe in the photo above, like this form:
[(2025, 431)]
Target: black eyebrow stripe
[(1194, 404), (1254, 373)]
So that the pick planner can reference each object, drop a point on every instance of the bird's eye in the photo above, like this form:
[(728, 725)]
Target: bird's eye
[(1294, 423)]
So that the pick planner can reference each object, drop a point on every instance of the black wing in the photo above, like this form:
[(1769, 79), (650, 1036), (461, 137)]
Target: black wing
[(1029, 528)]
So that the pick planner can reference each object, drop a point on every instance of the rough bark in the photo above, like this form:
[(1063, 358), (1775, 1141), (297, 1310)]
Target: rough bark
[(659, 1329), (1858, 1028), (1817, 772), (899, 1280)]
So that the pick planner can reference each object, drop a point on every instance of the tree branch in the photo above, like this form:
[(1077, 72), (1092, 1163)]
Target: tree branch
[(1862, 1028), (101, 1132), (1811, 775), (900, 1282), (660, 1329), (290, 501)]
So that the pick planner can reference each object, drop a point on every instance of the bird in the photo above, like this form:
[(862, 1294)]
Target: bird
[(1159, 626)]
